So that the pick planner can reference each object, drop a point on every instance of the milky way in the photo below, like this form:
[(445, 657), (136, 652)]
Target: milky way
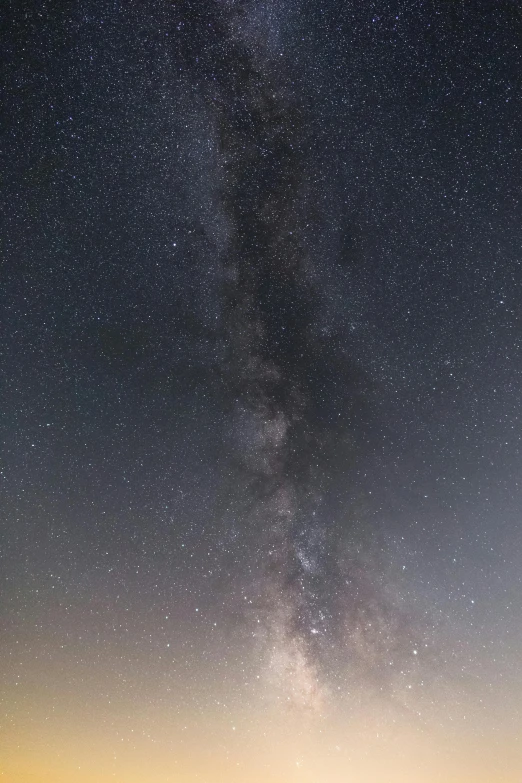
[(290, 390)]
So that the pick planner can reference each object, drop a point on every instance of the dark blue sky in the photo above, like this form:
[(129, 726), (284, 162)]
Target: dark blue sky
[(262, 343)]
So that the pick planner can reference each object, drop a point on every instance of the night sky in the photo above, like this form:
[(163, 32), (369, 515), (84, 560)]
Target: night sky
[(261, 392)]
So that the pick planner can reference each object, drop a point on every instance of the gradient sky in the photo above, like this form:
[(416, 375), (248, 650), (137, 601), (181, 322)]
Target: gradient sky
[(262, 373)]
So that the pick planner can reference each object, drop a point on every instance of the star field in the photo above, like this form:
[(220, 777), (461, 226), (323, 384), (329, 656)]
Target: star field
[(262, 369)]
